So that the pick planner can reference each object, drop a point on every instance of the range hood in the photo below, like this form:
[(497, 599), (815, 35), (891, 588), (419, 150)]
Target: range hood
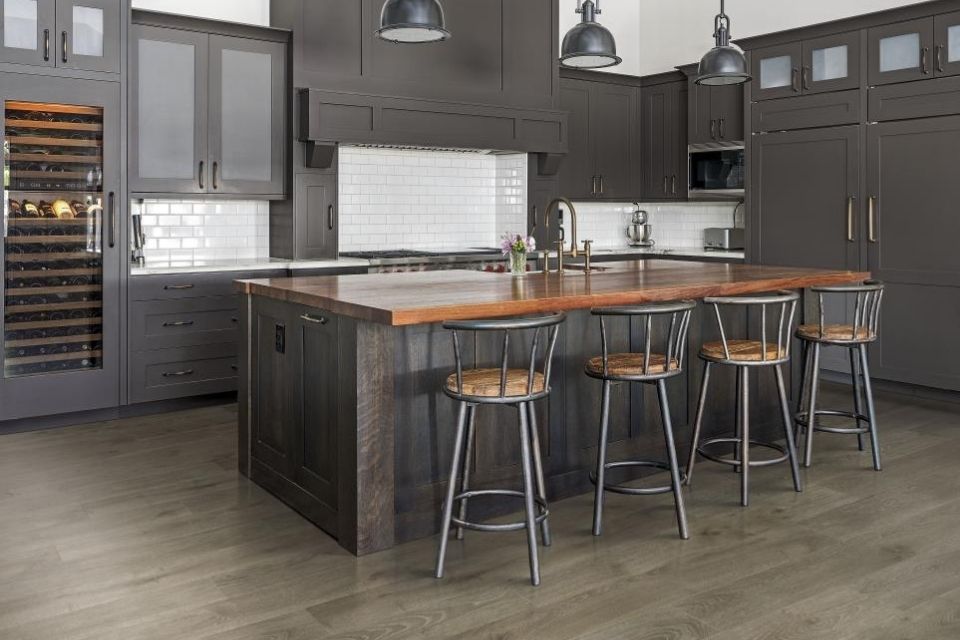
[(329, 118)]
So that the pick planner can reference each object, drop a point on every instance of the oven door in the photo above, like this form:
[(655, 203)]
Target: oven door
[(716, 171)]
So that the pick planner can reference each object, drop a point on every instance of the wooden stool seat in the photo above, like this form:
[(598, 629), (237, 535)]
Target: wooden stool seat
[(742, 351), (485, 383), (835, 333), (630, 364)]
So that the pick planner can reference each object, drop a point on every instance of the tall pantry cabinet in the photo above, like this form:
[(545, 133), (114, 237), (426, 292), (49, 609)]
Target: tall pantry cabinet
[(855, 126)]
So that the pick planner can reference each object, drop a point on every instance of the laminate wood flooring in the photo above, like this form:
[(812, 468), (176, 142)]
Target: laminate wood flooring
[(143, 529)]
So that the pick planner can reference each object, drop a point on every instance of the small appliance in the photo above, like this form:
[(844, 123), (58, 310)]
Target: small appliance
[(723, 239), (716, 170), (639, 232)]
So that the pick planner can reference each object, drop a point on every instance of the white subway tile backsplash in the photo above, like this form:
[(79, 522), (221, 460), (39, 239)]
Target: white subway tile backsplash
[(187, 231)]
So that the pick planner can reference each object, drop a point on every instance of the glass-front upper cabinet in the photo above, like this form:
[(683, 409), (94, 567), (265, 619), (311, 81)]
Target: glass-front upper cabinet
[(901, 52), (70, 34), (776, 71), (946, 50), (831, 63)]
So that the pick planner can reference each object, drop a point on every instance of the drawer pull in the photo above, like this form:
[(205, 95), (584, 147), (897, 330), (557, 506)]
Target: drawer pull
[(179, 323), (177, 374), (309, 318), (177, 287)]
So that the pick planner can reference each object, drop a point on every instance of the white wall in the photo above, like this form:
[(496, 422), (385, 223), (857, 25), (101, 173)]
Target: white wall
[(250, 11), (622, 18)]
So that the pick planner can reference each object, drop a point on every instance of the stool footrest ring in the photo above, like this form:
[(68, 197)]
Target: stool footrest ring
[(506, 526), (801, 420), (637, 491), (733, 462)]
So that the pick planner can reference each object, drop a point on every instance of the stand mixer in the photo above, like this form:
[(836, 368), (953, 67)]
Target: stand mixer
[(639, 232)]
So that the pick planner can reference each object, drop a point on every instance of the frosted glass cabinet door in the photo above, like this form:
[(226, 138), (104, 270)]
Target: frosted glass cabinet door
[(27, 32), (168, 111), (776, 71), (247, 106), (88, 35), (831, 63), (947, 44), (901, 52)]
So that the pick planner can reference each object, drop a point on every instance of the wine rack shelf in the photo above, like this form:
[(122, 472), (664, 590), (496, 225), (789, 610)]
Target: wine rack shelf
[(53, 297)]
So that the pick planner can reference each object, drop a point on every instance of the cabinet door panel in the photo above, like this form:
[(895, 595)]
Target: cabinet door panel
[(578, 169), (613, 132), (831, 63), (272, 437), (315, 216), (946, 47), (776, 71), (901, 52), (27, 32), (701, 125), (88, 35), (676, 156), (726, 110), (247, 98), (656, 138), (168, 106)]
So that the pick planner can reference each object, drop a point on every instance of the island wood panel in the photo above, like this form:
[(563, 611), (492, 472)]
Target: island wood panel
[(429, 297)]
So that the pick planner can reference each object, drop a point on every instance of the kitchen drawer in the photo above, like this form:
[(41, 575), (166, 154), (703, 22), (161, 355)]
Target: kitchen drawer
[(807, 112), (193, 285), (182, 372), (935, 97), (162, 324)]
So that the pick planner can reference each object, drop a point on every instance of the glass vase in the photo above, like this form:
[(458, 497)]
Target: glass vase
[(518, 263)]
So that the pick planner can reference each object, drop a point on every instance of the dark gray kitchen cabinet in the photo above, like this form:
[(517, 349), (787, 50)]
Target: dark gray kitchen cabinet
[(603, 149), (67, 34), (815, 65), (901, 51), (911, 234), (207, 109), (946, 47), (272, 411), (664, 135), (315, 216), (776, 71), (715, 114)]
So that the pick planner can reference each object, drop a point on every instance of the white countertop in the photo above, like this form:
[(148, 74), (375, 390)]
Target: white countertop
[(666, 252), (264, 264)]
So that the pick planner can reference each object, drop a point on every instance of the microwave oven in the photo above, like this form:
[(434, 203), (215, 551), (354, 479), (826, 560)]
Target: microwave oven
[(716, 170)]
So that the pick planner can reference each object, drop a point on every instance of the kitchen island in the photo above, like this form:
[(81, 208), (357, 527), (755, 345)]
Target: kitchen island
[(342, 414)]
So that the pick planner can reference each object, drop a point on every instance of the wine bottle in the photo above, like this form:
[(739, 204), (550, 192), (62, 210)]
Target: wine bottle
[(79, 208), (46, 210), (16, 211), (30, 210)]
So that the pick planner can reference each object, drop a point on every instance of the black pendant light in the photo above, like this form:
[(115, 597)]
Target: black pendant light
[(723, 64), (412, 21), (589, 45)]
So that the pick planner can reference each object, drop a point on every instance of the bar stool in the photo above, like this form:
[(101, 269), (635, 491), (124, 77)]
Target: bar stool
[(504, 386), (746, 355), (653, 366), (855, 337)]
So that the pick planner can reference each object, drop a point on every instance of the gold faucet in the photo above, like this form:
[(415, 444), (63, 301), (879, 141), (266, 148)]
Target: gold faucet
[(573, 253)]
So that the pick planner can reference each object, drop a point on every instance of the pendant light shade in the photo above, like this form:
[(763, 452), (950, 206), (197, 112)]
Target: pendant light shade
[(412, 21), (723, 64), (589, 45)]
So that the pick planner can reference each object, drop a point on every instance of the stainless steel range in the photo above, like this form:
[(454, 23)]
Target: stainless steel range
[(404, 260)]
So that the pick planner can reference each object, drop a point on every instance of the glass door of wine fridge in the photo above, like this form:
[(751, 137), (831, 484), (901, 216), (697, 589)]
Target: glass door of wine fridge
[(60, 305)]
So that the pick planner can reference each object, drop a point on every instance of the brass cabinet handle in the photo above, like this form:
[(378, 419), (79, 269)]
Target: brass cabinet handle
[(46, 45), (924, 52), (601, 184), (112, 219), (177, 374), (713, 129), (309, 318), (179, 323), (872, 220), (200, 176), (63, 45), (177, 287), (666, 185), (939, 57), (216, 171), (805, 76), (850, 202), (795, 79), (330, 217), (720, 127), (673, 182)]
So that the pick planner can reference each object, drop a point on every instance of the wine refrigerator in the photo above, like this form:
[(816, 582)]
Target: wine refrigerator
[(61, 248)]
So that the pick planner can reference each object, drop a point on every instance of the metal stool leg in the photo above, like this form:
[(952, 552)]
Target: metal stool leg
[(805, 371), (601, 458), (737, 421), (672, 455), (871, 409), (538, 468), (698, 421), (857, 393), (527, 463), (451, 488), (788, 427), (812, 407), (467, 457), (745, 436)]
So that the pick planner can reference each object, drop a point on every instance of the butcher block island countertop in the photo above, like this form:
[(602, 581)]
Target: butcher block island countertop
[(436, 296), (342, 414)]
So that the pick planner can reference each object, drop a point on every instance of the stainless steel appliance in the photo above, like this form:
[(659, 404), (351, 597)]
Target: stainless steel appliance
[(716, 170), (639, 231), (723, 239)]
